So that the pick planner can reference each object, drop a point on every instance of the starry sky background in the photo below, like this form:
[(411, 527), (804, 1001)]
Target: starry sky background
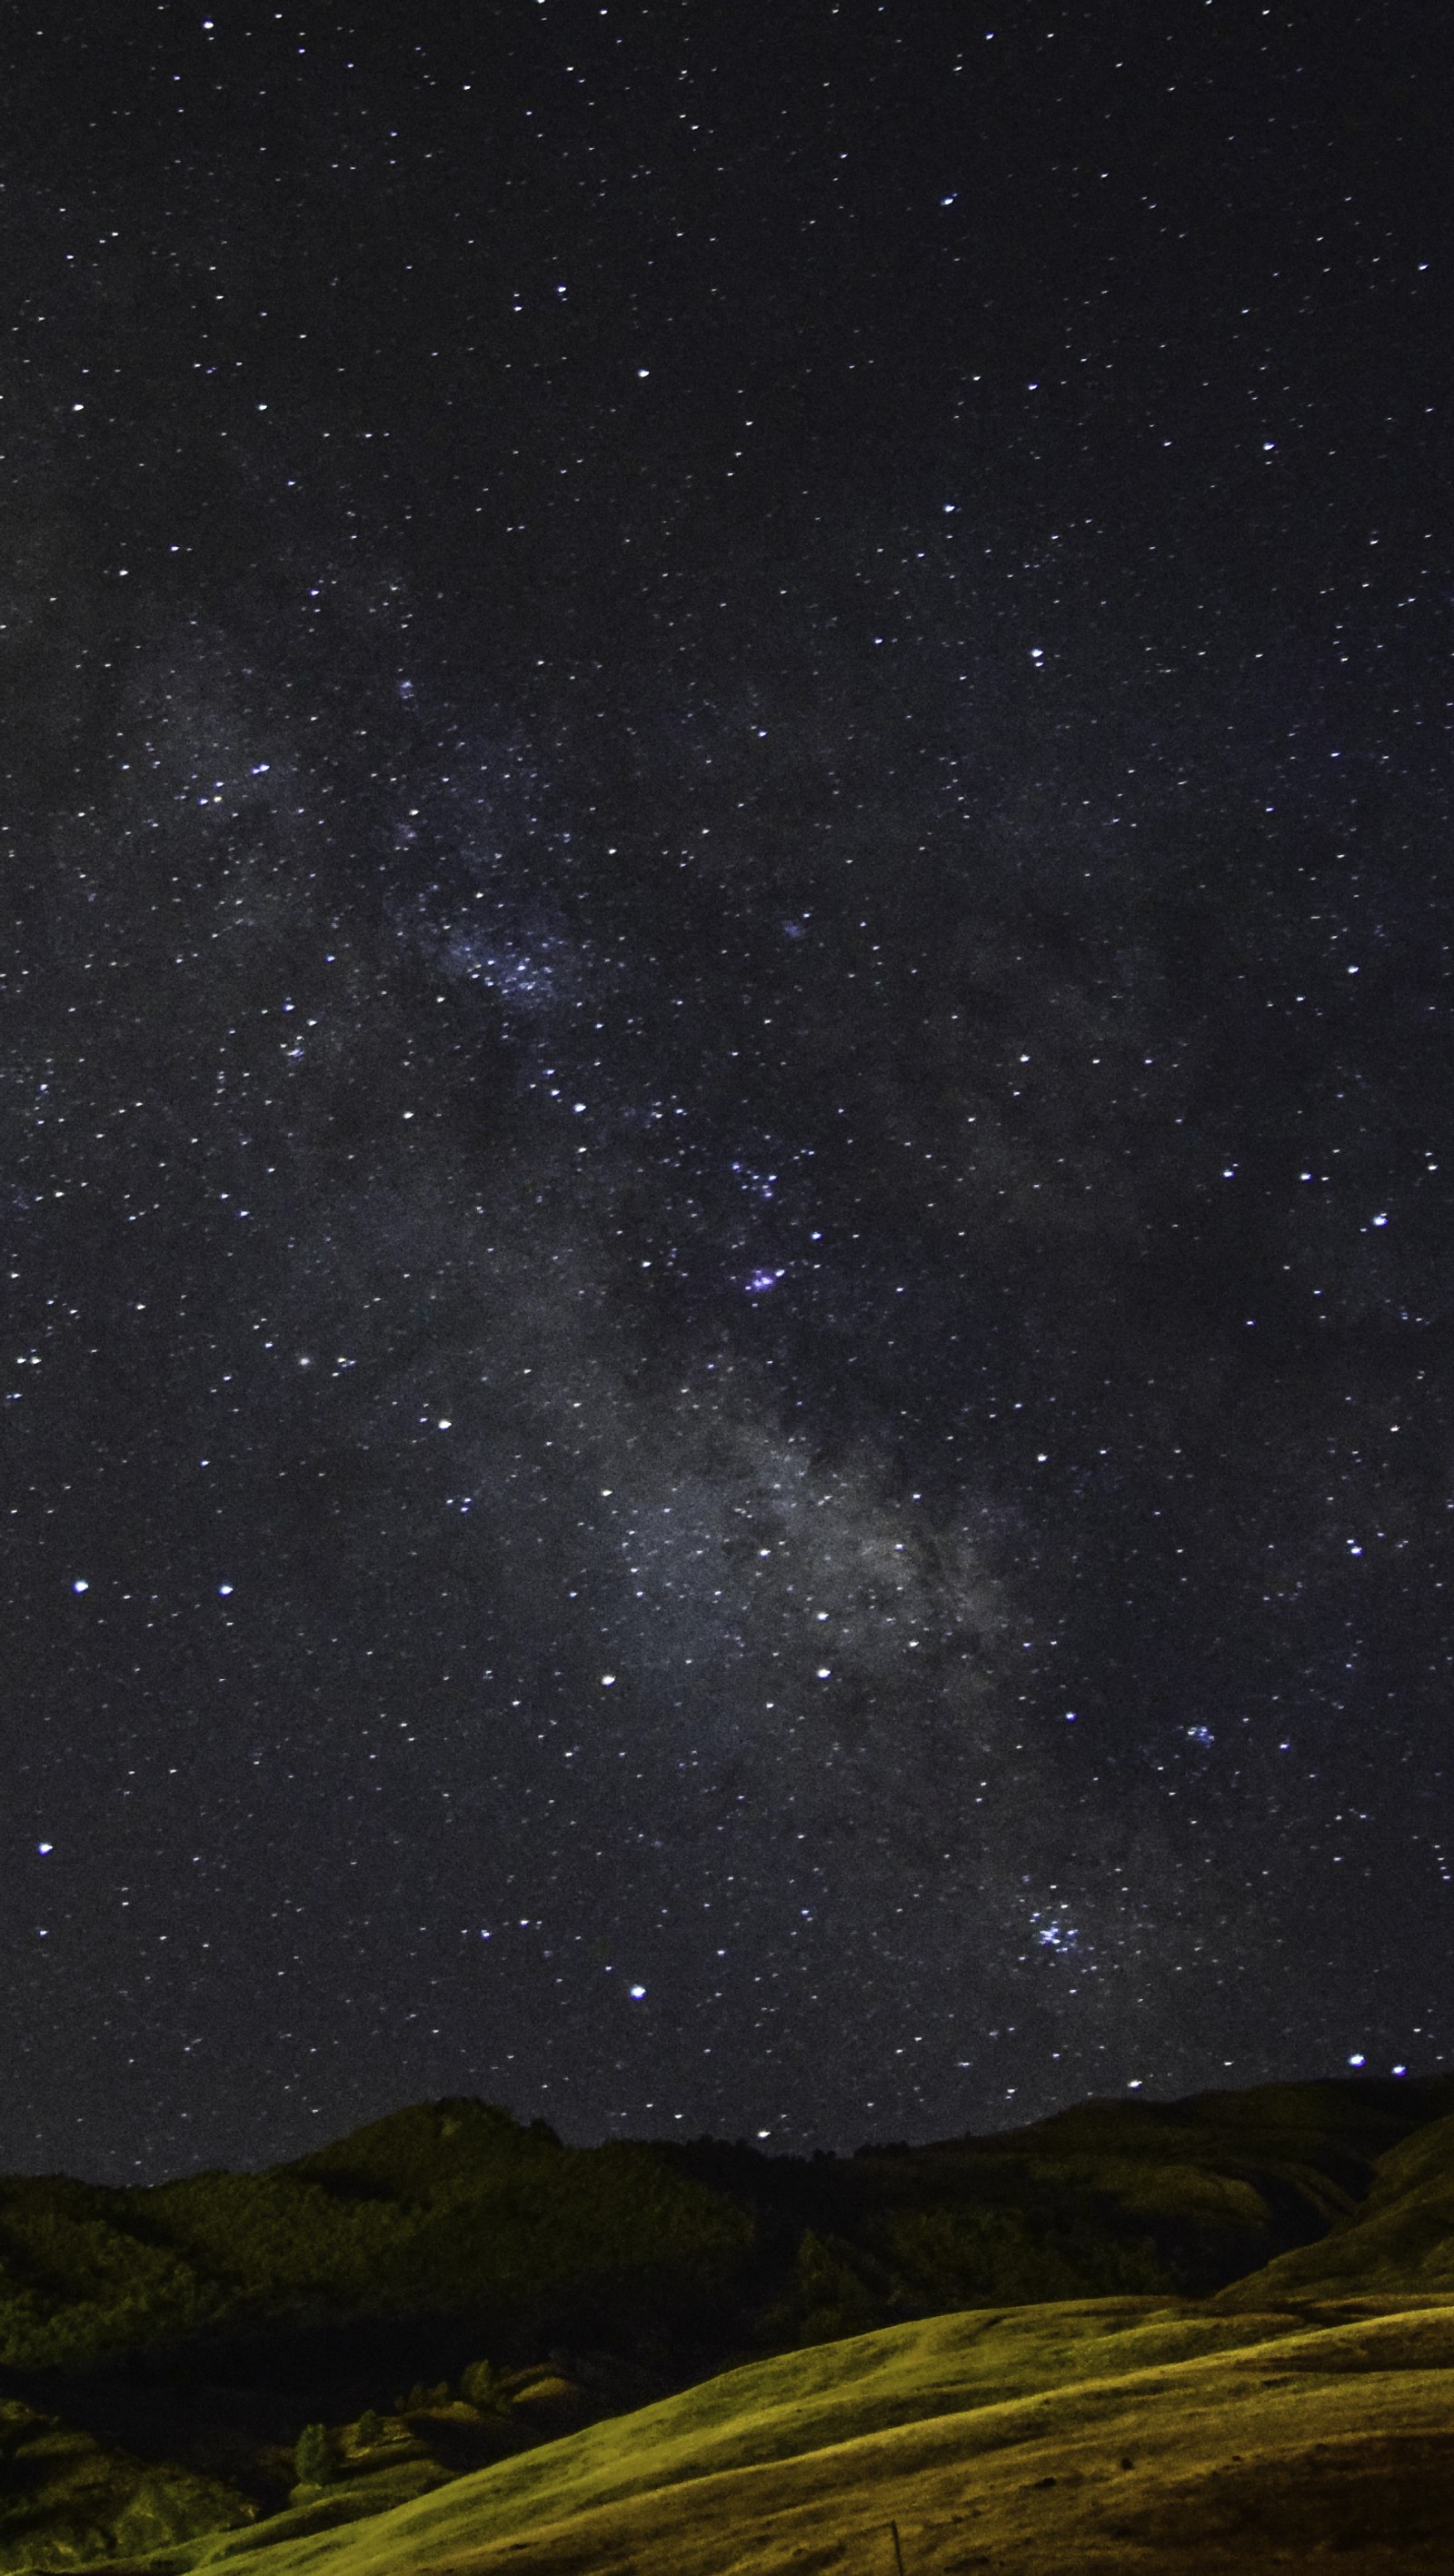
[(726, 1073)]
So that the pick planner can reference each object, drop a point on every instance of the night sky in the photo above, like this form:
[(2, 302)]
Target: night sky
[(727, 1103)]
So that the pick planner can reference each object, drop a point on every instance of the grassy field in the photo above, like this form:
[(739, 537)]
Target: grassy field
[(1191, 2336), (1119, 2434)]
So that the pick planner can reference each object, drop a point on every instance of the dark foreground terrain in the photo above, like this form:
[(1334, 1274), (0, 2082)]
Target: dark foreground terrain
[(1133, 2335)]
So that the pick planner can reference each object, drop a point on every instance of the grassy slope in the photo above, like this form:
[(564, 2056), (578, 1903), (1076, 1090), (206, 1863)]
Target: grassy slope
[(1083, 2436), (1401, 2240), (976, 2431), (1304, 2411)]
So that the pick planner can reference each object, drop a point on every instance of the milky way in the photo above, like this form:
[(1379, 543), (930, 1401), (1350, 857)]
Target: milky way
[(726, 1097)]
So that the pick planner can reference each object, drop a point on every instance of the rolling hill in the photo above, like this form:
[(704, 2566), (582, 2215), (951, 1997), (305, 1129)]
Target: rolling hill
[(704, 2358), (1084, 2436)]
